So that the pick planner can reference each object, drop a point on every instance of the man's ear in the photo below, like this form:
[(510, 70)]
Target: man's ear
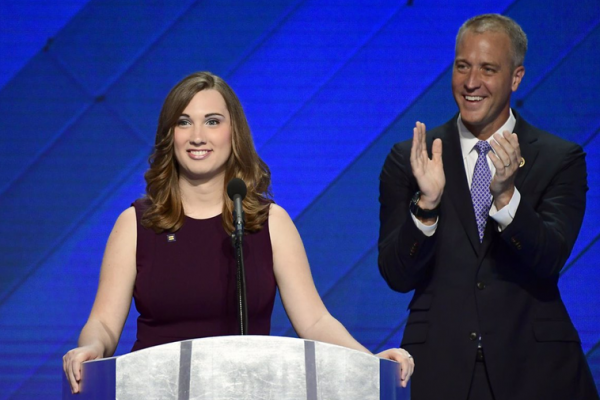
[(517, 76)]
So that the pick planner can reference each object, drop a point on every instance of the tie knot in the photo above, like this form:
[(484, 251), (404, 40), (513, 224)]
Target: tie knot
[(483, 147)]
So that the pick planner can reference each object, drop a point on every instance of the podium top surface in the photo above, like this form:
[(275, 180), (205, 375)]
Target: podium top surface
[(242, 367)]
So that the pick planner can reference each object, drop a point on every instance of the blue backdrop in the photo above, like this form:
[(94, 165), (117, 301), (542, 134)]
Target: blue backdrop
[(328, 87)]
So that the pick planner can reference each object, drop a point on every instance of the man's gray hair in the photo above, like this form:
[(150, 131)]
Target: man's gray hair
[(498, 23)]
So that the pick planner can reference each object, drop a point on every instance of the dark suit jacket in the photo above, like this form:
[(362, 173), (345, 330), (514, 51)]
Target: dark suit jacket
[(504, 289)]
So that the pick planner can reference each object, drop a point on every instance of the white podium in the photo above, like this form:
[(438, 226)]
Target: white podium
[(241, 368)]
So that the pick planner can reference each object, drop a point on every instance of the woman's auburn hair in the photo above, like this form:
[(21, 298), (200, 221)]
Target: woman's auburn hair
[(165, 212)]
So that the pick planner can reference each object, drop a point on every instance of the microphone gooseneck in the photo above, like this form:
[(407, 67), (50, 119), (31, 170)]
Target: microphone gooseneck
[(236, 190)]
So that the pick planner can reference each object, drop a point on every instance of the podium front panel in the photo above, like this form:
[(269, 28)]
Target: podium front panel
[(241, 367), (343, 374), (151, 373), (248, 367)]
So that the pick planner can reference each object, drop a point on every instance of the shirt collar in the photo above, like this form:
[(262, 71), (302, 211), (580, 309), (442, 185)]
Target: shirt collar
[(468, 140)]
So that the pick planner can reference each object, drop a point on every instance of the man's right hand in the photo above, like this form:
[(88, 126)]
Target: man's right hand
[(429, 172)]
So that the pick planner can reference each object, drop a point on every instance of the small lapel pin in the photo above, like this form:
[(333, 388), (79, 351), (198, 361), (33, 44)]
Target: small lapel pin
[(171, 237), (522, 162)]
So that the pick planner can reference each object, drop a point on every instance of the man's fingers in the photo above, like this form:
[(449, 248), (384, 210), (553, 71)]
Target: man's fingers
[(418, 150), (500, 153), (507, 153), (513, 139), (436, 150), (414, 149), (422, 130), (506, 147), (419, 136)]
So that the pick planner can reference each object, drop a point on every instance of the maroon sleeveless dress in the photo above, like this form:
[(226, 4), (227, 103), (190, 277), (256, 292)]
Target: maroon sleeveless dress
[(185, 286)]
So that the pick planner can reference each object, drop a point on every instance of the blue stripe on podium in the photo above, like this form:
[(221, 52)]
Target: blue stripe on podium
[(311, 370), (185, 366)]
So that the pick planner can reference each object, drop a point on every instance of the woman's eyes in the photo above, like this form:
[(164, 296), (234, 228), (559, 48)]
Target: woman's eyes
[(209, 122)]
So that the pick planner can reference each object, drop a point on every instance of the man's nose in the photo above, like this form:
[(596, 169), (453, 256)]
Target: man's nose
[(473, 80)]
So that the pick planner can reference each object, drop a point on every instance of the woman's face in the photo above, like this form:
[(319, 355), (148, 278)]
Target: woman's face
[(203, 137)]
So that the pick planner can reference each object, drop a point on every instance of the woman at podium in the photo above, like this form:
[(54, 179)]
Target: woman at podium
[(172, 250)]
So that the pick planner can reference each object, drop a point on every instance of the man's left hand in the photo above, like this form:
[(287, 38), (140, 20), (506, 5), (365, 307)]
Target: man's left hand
[(506, 158)]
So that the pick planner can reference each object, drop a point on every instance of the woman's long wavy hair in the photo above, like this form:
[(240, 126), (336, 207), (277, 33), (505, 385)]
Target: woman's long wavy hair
[(165, 212)]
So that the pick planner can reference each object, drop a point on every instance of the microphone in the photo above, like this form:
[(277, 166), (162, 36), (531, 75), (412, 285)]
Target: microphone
[(236, 190)]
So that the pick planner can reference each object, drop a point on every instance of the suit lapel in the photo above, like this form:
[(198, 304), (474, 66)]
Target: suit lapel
[(457, 187), (529, 151)]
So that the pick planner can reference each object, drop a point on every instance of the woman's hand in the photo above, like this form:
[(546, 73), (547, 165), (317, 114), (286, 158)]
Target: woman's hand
[(100, 334), (407, 363), (72, 364)]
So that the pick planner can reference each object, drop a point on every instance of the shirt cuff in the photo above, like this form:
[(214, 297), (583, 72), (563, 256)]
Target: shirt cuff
[(506, 214), (428, 230)]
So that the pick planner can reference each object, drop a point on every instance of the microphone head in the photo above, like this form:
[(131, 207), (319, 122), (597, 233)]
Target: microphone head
[(236, 186)]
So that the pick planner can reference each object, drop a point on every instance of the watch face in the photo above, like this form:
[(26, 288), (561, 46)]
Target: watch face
[(414, 209), (416, 198)]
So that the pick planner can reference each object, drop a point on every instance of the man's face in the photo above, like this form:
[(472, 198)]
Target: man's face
[(483, 80)]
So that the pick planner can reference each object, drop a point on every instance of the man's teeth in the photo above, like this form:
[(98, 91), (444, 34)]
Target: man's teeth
[(474, 98)]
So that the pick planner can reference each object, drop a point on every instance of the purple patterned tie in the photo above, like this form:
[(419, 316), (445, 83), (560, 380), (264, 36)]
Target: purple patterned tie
[(480, 187)]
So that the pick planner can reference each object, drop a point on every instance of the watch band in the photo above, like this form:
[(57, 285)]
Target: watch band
[(419, 212)]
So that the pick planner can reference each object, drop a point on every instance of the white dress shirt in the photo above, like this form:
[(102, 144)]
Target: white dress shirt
[(505, 215)]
